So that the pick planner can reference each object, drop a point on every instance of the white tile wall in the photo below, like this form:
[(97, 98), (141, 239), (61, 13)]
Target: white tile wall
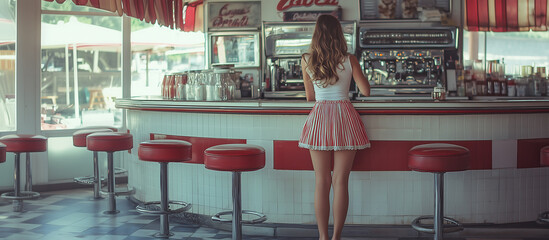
[(504, 194)]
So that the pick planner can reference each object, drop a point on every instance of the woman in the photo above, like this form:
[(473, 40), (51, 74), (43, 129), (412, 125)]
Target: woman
[(333, 129)]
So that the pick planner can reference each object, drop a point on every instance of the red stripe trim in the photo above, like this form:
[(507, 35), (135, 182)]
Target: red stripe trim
[(528, 152), (382, 156), (126, 7), (512, 15), (190, 15), (140, 9), (95, 3), (483, 15), (540, 15), (362, 111), (472, 15), (501, 17), (152, 12), (199, 144), (80, 2)]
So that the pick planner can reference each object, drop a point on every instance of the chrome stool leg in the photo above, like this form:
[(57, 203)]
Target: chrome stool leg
[(237, 207), (439, 205), (438, 228), (237, 210), (28, 183), (17, 196), (164, 204), (18, 203), (96, 177), (111, 185)]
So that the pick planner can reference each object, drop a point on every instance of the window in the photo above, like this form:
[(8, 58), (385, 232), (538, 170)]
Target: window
[(7, 65), (157, 51), (81, 68), (514, 49)]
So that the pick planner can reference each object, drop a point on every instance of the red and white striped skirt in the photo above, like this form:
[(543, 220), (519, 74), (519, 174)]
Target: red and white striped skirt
[(334, 125)]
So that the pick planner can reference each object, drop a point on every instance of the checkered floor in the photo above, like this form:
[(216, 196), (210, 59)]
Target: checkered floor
[(73, 215)]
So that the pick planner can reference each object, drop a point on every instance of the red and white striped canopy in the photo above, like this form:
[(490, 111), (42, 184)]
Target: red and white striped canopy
[(185, 15), (506, 15)]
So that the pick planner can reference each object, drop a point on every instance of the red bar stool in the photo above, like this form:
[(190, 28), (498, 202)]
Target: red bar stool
[(110, 142), (22, 143), (544, 161), (438, 158), (236, 158), (164, 152), (79, 140)]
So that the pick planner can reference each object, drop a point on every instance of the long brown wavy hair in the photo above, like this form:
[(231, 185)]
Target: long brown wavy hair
[(327, 51)]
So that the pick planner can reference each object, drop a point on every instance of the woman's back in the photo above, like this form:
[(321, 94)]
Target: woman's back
[(339, 90)]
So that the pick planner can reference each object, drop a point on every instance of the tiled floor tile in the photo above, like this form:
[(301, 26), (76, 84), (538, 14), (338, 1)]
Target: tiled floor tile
[(73, 215)]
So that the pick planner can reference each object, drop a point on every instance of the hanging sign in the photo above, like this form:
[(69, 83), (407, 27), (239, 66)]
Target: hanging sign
[(231, 15), (296, 16), (287, 4)]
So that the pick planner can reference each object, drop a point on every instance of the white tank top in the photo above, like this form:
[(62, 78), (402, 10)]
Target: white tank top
[(338, 91)]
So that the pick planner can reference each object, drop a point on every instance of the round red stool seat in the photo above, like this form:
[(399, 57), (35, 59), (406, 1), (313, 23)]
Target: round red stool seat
[(2, 153), (544, 156), (234, 157), (24, 143), (438, 157), (165, 151), (109, 141), (79, 137)]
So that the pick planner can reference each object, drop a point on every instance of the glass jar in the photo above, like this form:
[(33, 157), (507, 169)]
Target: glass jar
[(189, 89), (199, 87)]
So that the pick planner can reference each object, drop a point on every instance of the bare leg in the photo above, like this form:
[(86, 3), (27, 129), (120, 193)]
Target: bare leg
[(323, 182), (343, 162)]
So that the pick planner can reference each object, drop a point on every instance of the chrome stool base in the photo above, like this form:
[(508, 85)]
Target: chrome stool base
[(237, 211), (260, 217), (89, 180), (111, 212), (543, 218), (124, 191), (155, 208), (23, 195), (453, 226), (161, 235)]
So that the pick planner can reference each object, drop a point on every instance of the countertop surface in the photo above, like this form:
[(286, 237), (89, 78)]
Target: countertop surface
[(371, 105)]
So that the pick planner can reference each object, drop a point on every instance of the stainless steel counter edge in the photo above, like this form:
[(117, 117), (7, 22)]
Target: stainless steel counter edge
[(269, 106)]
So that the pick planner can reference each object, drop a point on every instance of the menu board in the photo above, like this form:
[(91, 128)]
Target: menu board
[(234, 15), (238, 49), (399, 9)]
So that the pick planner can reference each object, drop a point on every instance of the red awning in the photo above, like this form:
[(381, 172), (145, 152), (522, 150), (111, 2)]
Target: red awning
[(186, 15), (506, 15)]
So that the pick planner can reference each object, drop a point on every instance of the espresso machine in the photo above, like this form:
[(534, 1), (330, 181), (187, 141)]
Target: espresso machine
[(406, 61), (284, 43)]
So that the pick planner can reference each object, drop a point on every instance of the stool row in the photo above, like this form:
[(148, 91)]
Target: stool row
[(236, 158)]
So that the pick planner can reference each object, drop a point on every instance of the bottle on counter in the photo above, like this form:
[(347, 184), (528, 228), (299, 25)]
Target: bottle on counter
[(189, 89), (200, 86), (511, 87), (502, 80), (164, 86), (180, 83), (479, 76), (470, 83), (539, 82), (460, 79)]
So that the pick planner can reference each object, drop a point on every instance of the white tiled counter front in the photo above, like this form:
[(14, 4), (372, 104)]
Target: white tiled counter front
[(504, 193)]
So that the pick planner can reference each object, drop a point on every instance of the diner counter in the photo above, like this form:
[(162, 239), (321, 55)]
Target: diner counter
[(503, 135), (375, 105)]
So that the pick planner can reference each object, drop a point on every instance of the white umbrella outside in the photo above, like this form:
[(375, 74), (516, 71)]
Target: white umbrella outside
[(74, 34), (162, 38), (7, 31)]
